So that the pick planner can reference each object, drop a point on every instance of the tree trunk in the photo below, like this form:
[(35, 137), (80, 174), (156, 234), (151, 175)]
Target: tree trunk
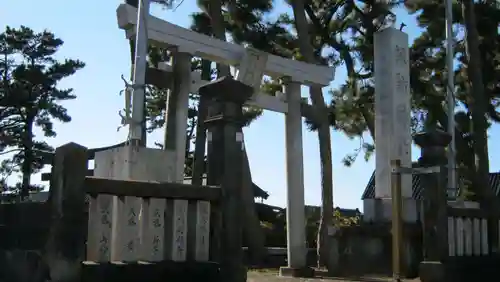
[(477, 104), (353, 79), (253, 232), (201, 134), (252, 227), (219, 31), (27, 165), (324, 138)]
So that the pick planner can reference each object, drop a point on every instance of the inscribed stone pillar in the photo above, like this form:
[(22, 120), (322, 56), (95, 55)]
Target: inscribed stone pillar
[(392, 119)]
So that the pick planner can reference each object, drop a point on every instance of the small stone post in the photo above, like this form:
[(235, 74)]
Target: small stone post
[(227, 138), (433, 144), (65, 245)]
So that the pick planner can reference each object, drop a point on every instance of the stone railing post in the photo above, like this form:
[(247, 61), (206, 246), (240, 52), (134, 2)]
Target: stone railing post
[(65, 245)]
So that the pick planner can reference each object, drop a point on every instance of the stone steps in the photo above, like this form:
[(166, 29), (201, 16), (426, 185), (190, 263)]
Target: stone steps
[(149, 272)]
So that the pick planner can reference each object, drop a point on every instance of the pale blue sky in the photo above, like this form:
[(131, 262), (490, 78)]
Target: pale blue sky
[(90, 32)]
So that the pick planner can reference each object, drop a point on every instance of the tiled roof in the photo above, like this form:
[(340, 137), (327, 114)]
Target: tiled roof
[(369, 192), (257, 191)]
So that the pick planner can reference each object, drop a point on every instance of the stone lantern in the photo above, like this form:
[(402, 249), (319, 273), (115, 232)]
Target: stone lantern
[(433, 143)]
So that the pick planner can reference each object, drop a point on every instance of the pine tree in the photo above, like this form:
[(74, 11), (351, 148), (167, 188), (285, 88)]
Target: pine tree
[(31, 97), (479, 100)]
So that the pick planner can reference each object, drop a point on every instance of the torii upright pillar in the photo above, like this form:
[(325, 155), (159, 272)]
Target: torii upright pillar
[(295, 211)]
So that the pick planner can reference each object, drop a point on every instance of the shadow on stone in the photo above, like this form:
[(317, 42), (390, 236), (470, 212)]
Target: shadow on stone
[(305, 272), (432, 271)]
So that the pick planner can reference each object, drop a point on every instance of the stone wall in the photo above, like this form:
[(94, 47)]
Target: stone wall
[(367, 249), (23, 226)]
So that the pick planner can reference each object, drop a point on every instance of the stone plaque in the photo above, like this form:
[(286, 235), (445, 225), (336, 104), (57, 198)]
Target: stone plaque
[(476, 236), (153, 229), (484, 237), (468, 236), (126, 238), (202, 230), (99, 228), (179, 238), (460, 242)]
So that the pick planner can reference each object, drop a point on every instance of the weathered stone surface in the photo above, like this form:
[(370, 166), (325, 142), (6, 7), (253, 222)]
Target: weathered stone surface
[(432, 138), (432, 271), (227, 89), (65, 245), (305, 272), (392, 109), (22, 266), (151, 272)]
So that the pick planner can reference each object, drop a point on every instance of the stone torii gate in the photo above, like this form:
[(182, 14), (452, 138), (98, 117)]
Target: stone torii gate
[(252, 66)]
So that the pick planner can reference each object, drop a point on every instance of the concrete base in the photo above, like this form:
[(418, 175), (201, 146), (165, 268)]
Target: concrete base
[(305, 272), (380, 210), (366, 250), (432, 271)]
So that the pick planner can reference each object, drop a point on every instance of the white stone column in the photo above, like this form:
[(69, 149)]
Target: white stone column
[(139, 74), (296, 238), (392, 118), (175, 140), (180, 90)]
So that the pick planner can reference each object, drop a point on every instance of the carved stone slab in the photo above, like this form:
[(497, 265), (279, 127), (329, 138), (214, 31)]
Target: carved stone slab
[(126, 238), (153, 230), (202, 230), (179, 230), (484, 237), (99, 228)]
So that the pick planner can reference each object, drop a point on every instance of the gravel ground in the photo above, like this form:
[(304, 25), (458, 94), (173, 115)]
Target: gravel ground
[(271, 276)]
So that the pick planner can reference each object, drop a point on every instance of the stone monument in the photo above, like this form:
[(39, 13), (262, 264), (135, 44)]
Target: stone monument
[(392, 124)]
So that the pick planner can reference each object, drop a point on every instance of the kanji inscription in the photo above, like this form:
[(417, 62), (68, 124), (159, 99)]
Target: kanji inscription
[(105, 216), (156, 244), (104, 246), (132, 221), (402, 83), (180, 229), (157, 218), (401, 55)]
